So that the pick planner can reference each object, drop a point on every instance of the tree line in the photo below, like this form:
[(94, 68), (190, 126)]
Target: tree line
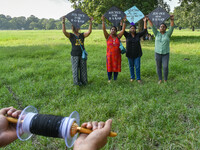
[(30, 23)]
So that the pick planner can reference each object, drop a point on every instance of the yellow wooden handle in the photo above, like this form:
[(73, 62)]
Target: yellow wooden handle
[(88, 131), (12, 120)]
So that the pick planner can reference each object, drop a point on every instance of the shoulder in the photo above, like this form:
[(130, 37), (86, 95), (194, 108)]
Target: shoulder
[(71, 34), (125, 33), (82, 34)]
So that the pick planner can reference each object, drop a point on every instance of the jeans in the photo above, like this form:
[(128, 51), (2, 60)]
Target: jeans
[(134, 62), (162, 60)]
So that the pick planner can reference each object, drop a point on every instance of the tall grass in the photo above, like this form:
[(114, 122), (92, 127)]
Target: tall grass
[(36, 70)]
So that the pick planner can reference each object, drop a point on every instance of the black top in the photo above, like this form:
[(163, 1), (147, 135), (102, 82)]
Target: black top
[(76, 48), (133, 47)]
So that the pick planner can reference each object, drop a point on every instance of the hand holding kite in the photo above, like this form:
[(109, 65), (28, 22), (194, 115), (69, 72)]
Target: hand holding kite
[(171, 17)]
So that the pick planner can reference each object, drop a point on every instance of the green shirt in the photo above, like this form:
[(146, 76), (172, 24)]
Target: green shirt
[(162, 40)]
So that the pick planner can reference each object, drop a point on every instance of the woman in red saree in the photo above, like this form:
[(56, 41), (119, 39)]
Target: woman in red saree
[(113, 55)]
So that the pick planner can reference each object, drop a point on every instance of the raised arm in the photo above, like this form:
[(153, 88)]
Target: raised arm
[(150, 23), (145, 22), (142, 33), (86, 34), (153, 27), (171, 20), (64, 29), (171, 29), (123, 28), (106, 35)]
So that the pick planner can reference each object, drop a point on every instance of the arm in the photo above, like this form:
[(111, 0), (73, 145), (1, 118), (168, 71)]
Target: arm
[(95, 140), (106, 35), (7, 130), (150, 23), (145, 22), (145, 27), (153, 27), (123, 28), (172, 20), (64, 29), (86, 34), (171, 28)]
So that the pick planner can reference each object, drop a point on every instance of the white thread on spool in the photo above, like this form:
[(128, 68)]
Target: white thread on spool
[(63, 127), (27, 121)]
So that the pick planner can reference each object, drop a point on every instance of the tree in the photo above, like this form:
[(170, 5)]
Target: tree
[(184, 18), (31, 19)]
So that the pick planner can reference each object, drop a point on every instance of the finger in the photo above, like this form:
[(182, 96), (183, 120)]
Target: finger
[(4, 111), (101, 125), (89, 125), (107, 126), (16, 114), (10, 111), (84, 125), (94, 125)]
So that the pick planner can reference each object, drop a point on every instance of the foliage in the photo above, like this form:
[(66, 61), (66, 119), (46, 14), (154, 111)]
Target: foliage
[(36, 70), (30, 23), (185, 18)]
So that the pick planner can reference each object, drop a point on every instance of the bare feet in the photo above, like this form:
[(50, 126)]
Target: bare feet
[(139, 81), (160, 81), (131, 80), (109, 81)]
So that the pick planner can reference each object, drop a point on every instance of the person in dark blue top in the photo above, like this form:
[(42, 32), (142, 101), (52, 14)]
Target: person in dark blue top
[(133, 49)]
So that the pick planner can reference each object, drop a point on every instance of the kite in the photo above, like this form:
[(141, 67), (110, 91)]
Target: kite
[(77, 18)]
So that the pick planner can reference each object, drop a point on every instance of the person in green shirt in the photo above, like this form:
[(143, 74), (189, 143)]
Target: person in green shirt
[(162, 41)]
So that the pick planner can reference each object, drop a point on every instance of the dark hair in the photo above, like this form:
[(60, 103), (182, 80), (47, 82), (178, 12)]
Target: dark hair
[(114, 27), (133, 26), (74, 29), (164, 25)]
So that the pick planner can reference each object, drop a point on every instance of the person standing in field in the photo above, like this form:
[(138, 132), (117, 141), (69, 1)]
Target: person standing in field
[(113, 55), (133, 49), (162, 49), (79, 65)]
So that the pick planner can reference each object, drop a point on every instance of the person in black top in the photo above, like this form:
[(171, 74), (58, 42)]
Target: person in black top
[(133, 49), (79, 66)]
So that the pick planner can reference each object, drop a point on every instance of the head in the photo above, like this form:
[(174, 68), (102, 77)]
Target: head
[(74, 29), (113, 30), (163, 28), (132, 29)]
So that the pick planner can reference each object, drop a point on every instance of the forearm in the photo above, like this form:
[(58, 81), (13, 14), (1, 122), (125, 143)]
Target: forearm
[(104, 30), (103, 26), (172, 23), (64, 30), (145, 25), (122, 31), (86, 34), (150, 23), (90, 27), (63, 27)]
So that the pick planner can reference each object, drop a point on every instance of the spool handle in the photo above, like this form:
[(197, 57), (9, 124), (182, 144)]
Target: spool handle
[(88, 131), (12, 120)]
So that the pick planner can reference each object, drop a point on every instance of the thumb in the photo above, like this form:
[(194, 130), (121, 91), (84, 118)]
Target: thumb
[(107, 126)]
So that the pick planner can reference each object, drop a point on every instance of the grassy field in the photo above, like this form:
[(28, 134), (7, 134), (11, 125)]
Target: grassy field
[(35, 69)]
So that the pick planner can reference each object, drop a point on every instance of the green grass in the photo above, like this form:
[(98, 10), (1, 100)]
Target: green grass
[(36, 70)]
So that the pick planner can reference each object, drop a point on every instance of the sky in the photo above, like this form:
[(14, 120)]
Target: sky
[(44, 8)]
